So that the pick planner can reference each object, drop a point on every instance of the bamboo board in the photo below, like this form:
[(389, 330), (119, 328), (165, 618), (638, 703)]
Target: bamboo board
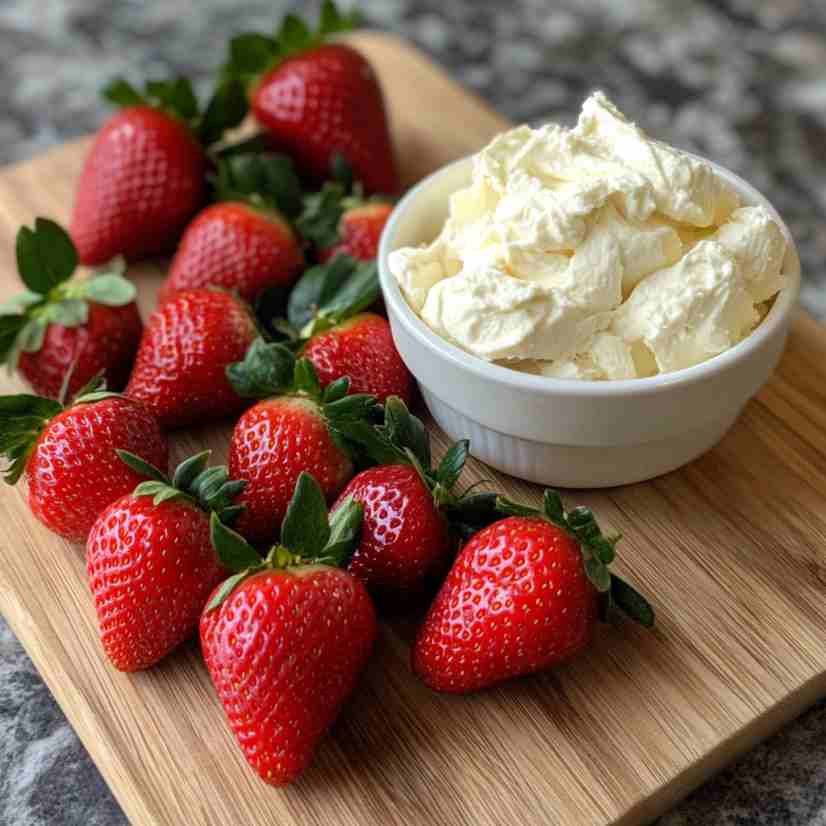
[(730, 547)]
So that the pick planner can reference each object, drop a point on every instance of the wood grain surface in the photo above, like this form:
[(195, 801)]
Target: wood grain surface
[(731, 548)]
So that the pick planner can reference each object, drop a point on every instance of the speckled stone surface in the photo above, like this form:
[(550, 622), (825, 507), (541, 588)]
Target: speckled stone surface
[(742, 81)]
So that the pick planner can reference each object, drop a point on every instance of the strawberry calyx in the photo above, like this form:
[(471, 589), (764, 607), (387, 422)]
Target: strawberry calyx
[(266, 181), (327, 295), (309, 536), (225, 110), (24, 416), (271, 369), (252, 54), (46, 261), (210, 488), (598, 552)]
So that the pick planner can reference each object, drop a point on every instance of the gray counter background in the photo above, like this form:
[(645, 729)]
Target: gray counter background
[(742, 81)]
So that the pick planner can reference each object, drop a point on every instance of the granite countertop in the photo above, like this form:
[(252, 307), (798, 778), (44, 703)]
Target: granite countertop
[(742, 81)]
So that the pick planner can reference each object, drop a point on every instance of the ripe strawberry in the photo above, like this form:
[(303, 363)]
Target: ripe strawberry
[(319, 100), (188, 342), (150, 561), (68, 455), (405, 539), (522, 595), (286, 640), (63, 331), (243, 243), (361, 348), (295, 428), (145, 174), (338, 223)]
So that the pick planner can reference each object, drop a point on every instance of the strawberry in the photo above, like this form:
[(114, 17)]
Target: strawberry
[(325, 318), (337, 223), (287, 638), (61, 331), (188, 342), (361, 348), (150, 561), (243, 243), (523, 594), (295, 428), (319, 100), (405, 539), (68, 454), (145, 174)]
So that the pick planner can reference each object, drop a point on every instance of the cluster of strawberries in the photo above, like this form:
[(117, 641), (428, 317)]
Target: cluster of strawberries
[(262, 316)]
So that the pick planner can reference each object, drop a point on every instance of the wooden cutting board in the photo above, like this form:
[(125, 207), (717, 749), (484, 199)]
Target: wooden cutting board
[(731, 548)]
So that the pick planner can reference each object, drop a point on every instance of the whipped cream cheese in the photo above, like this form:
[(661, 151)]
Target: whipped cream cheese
[(594, 253)]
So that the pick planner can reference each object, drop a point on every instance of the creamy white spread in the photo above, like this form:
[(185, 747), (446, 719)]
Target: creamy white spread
[(594, 253)]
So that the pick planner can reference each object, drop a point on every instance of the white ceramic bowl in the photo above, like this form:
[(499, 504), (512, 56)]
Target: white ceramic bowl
[(565, 432)]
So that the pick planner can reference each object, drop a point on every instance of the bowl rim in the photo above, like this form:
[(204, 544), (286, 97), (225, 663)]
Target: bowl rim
[(784, 303)]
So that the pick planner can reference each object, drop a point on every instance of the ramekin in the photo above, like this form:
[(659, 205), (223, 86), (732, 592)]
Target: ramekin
[(565, 432)]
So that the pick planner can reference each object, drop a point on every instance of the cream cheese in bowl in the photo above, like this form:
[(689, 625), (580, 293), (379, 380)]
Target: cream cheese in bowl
[(594, 253)]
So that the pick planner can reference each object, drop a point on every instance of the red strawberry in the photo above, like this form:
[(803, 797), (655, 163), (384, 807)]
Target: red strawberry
[(296, 430), (150, 561), (68, 454), (243, 243), (405, 539), (63, 331), (522, 595), (188, 342), (145, 174), (287, 639), (338, 223), (319, 100), (361, 348)]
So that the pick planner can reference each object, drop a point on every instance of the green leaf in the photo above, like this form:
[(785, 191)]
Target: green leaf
[(316, 287), (583, 525), (19, 303), (374, 443), (225, 110), (598, 573), (554, 510), (110, 289), (267, 180), (404, 430), (250, 54), (174, 96), (141, 467), (345, 528), (121, 93), (256, 144), (357, 293), (631, 602), (510, 508), (341, 171), (305, 529), (70, 312), (225, 589), (150, 488), (332, 21), (305, 379), (267, 370), (235, 553), (452, 464), (26, 404), (10, 327), (30, 338), (187, 470), (46, 255), (336, 390), (321, 214)]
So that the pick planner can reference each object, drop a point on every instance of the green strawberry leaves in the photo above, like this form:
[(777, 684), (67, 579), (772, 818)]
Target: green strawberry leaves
[(22, 419), (46, 255), (308, 536), (251, 54), (225, 110), (598, 552), (330, 293), (266, 180), (210, 488), (321, 215), (268, 369), (46, 260)]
